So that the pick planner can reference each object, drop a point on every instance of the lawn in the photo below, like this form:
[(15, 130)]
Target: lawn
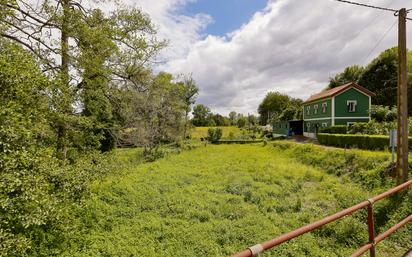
[(217, 200)]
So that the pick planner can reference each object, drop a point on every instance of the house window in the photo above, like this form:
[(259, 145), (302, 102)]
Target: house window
[(315, 109), (351, 105), (324, 125), (308, 110), (324, 106)]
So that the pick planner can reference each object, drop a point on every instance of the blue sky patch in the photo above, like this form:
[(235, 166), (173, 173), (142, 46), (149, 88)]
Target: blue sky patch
[(228, 15)]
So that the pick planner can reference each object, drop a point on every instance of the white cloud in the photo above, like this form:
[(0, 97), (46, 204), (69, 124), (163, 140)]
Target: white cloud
[(292, 46), (182, 31)]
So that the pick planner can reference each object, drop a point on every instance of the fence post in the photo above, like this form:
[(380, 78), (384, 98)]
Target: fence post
[(371, 228)]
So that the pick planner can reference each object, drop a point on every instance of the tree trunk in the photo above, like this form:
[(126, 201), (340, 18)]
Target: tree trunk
[(64, 80)]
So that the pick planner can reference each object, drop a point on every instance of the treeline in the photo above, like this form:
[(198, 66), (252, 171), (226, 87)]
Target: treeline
[(380, 77), (277, 106), (75, 82), (203, 117)]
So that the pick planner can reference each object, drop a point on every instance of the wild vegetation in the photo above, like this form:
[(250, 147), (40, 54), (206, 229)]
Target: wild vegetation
[(76, 82), (64, 103), (219, 199)]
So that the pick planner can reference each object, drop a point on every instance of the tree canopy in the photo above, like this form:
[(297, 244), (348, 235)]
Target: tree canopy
[(276, 106)]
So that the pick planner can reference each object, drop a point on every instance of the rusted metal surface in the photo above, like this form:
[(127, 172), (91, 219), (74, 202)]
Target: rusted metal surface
[(371, 229), (259, 248)]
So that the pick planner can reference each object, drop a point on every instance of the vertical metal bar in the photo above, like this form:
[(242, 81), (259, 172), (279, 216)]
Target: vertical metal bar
[(371, 229)]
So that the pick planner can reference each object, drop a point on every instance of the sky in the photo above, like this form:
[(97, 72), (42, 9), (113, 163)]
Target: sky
[(239, 50)]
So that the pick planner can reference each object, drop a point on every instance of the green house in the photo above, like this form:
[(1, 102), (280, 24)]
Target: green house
[(343, 105)]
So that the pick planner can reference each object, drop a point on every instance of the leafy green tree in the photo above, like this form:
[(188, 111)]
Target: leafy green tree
[(220, 120), (25, 205), (94, 51), (350, 74), (201, 115), (272, 105), (190, 92), (241, 121), (380, 76), (214, 134), (382, 113), (233, 118)]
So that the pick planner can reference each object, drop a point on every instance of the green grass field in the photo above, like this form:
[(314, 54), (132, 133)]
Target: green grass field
[(199, 132), (217, 200)]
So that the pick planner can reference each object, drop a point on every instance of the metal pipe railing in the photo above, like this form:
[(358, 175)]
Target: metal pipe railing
[(373, 241)]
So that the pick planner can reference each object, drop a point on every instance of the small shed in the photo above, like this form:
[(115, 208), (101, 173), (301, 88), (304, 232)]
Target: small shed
[(288, 128)]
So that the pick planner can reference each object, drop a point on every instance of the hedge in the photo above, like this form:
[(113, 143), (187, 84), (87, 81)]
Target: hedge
[(238, 141), (338, 129), (368, 142)]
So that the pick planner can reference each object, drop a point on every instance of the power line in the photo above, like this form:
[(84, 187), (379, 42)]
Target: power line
[(369, 6), (373, 20), (375, 7), (380, 40)]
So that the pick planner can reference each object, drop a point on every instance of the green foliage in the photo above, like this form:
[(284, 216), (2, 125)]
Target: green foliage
[(215, 200), (383, 113), (277, 106), (214, 134), (350, 74), (372, 128), (338, 129), (36, 190), (369, 142), (200, 115), (241, 122)]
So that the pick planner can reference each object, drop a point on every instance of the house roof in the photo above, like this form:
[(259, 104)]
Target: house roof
[(338, 90)]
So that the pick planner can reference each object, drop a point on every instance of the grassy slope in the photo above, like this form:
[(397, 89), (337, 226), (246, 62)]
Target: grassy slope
[(216, 200), (199, 132)]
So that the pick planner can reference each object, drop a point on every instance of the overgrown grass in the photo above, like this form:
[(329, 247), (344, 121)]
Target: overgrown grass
[(217, 200), (201, 132)]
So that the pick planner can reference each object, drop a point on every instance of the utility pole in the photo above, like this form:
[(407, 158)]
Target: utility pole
[(402, 162)]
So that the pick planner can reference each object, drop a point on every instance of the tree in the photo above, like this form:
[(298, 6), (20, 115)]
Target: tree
[(214, 134), (190, 92), (233, 118), (25, 203), (380, 77), (350, 74), (241, 121), (274, 104), (201, 115), (94, 50)]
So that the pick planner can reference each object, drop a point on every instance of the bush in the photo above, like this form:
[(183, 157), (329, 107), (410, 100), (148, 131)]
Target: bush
[(214, 134), (368, 142), (372, 128), (339, 129)]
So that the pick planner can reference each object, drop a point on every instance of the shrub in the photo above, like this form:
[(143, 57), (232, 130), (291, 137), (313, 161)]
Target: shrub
[(372, 128), (338, 129), (214, 134), (368, 142)]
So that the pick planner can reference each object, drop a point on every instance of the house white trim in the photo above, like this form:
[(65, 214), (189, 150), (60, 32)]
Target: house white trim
[(333, 111), (370, 107), (348, 118), (328, 118)]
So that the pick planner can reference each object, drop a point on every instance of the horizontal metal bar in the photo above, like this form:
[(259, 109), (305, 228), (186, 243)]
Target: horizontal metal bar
[(382, 236), (388, 232), (362, 250), (310, 227)]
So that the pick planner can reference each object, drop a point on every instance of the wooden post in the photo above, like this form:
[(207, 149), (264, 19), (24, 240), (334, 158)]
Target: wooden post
[(402, 164)]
